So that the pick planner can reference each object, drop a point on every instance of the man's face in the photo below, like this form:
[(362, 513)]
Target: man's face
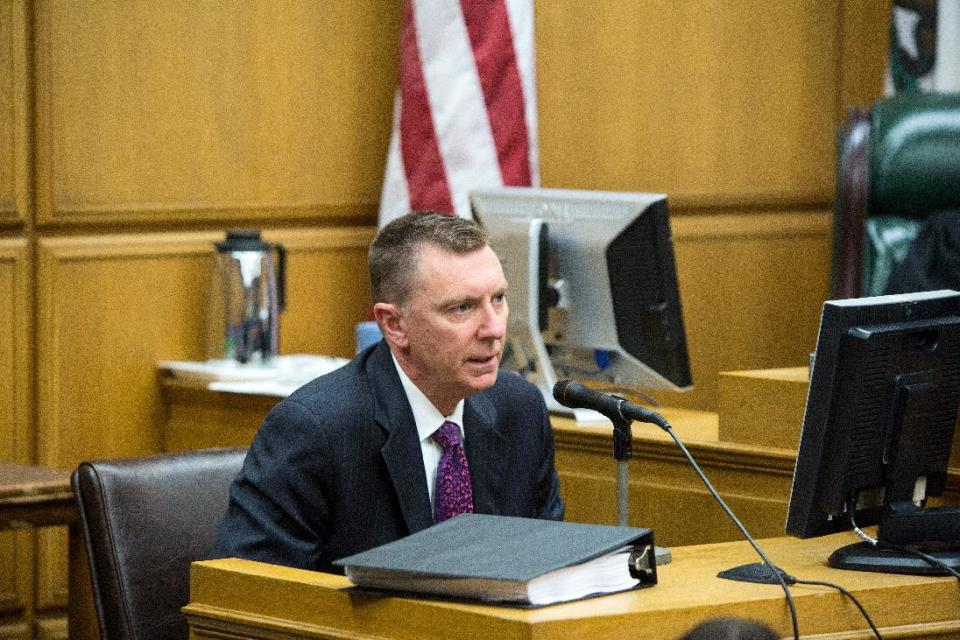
[(453, 325)]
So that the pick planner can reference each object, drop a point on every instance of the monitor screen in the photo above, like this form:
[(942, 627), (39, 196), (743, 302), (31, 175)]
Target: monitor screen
[(878, 428), (593, 287)]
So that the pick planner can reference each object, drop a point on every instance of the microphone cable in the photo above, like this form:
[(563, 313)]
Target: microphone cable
[(780, 575), (853, 599), (792, 580)]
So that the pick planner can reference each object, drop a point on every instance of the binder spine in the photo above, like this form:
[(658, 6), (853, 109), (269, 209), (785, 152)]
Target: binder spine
[(643, 563)]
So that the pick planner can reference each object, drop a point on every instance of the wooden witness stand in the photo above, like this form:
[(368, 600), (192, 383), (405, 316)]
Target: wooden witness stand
[(748, 451), (244, 599)]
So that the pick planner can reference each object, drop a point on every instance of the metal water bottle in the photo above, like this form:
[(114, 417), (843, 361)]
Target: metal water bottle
[(247, 295)]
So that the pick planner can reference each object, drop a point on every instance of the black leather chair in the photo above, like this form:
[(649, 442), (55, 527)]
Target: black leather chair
[(898, 162), (144, 521)]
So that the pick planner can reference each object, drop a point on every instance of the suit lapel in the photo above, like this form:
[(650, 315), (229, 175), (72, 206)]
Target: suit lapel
[(486, 454), (401, 453)]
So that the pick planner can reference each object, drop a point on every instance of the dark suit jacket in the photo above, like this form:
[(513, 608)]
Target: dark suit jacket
[(336, 468)]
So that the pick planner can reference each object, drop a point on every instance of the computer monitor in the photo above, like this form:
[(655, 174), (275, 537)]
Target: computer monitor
[(593, 287), (877, 430)]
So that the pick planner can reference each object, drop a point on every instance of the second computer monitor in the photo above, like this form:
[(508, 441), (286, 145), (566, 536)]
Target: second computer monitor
[(878, 430), (593, 286)]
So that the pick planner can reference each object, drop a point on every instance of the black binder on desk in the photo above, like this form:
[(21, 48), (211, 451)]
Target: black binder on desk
[(520, 561)]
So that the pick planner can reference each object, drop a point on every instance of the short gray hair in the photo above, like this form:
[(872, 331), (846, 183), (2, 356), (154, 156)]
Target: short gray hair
[(393, 258)]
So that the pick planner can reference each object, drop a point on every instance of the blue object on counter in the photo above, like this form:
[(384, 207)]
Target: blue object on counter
[(367, 333)]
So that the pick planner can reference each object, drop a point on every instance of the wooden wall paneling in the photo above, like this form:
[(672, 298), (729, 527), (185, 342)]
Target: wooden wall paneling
[(16, 414), (14, 118), (864, 52), (51, 629), (15, 631), (111, 306), (328, 288), (197, 418), (752, 287), (204, 111), (665, 493), (8, 122), (711, 102)]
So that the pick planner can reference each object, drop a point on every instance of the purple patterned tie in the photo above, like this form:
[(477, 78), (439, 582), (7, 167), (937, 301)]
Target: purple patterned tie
[(452, 495)]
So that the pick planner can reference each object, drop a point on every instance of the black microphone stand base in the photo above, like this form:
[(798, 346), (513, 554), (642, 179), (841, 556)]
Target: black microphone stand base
[(759, 572)]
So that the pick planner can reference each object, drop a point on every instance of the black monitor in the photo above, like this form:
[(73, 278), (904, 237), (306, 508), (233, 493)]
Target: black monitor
[(593, 287), (878, 430)]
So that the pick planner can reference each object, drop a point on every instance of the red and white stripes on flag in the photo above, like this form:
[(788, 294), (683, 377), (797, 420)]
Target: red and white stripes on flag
[(465, 113)]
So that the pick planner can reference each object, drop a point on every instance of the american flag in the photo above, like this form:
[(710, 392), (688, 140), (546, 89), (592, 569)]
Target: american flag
[(465, 113)]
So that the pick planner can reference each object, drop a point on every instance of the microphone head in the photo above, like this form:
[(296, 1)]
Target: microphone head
[(560, 391), (568, 393)]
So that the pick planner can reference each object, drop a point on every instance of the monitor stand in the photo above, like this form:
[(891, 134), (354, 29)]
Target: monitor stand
[(528, 353), (864, 556), (904, 521)]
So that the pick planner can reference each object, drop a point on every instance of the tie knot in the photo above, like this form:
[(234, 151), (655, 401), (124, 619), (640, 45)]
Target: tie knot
[(448, 435)]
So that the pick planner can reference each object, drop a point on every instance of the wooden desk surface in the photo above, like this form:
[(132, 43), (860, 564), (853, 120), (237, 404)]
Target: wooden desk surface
[(251, 599), (35, 496)]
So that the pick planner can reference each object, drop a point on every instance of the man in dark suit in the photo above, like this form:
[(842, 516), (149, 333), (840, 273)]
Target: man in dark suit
[(350, 461)]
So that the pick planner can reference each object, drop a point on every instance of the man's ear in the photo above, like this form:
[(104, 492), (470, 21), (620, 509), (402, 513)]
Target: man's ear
[(392, 324)]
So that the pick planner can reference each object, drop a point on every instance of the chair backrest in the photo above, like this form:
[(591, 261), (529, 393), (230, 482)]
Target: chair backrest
[(915, 155), (144, 521), (897, 163)]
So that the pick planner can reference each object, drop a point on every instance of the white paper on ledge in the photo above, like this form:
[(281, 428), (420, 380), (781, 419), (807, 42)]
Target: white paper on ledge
[(281, 376), (259, 387)]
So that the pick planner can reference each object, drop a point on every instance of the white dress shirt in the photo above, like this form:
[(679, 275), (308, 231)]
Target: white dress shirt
[(428, 419)]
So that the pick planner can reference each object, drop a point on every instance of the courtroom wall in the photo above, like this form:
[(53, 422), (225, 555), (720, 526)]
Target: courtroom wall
[(731, 109), (135, 133)]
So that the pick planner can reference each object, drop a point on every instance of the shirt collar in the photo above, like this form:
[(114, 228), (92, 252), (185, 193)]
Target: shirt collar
[(425, 415)]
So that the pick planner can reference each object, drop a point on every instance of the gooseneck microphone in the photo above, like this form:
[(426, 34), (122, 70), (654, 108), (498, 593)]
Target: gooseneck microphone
[(620, 412), (576, 396)]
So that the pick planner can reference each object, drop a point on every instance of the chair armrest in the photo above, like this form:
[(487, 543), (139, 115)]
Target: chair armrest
[(853, 188)]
